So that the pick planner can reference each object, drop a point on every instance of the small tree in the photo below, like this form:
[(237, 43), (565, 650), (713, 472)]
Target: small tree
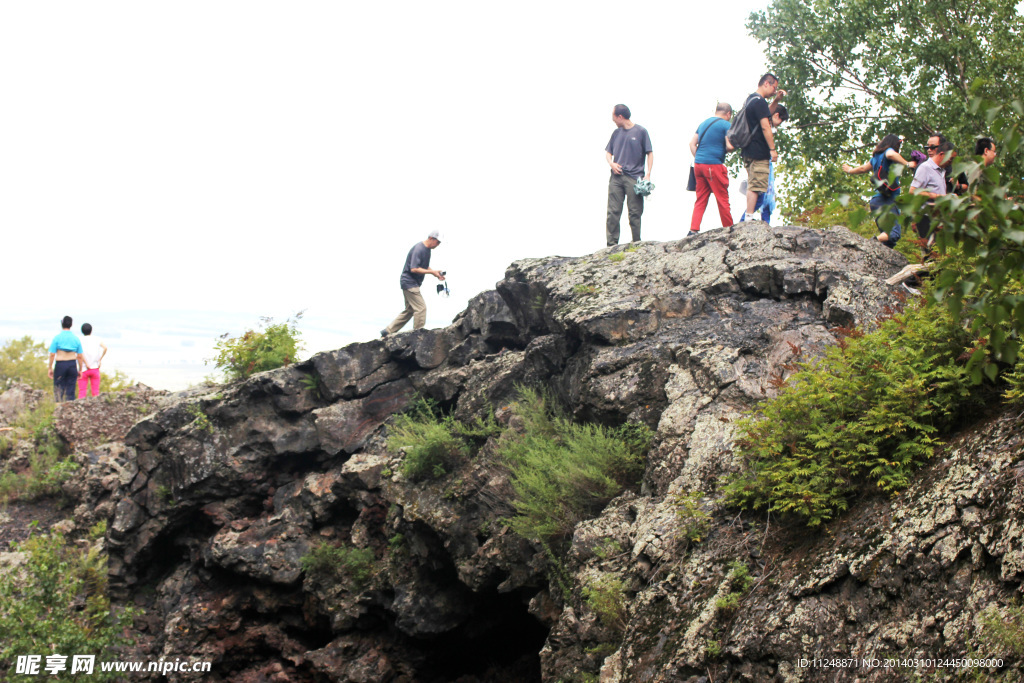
[(24, 360), (274, 346), (981, 237)]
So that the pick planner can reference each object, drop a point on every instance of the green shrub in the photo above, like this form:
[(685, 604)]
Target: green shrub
[(1015, 383), (868, 414), (200, 420), (740, 582), (1003, 629), (693, 521), (24, 360), (274, 346), (615, 258), (330, 563), (435, 443), (49, 466), (607, 597), (987, 228), (57, 603), (563, 473)]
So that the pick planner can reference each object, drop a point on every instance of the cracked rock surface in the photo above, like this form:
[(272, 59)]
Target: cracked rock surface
[(217, 498)]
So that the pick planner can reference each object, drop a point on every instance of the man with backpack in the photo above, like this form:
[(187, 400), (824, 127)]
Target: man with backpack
[(751, 131)]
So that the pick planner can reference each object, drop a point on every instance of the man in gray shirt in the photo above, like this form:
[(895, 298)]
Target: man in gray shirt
[(930, 180), (626, 152), (417, 266)]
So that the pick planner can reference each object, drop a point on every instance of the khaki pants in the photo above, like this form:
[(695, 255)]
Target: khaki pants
[(415, 308)]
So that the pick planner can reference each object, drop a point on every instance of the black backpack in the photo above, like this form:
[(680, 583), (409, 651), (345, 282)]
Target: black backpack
[(740, 131)]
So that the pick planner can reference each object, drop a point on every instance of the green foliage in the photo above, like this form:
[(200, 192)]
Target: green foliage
[(713, 649), (868, 414), (312, 384), (585, 290), (740, 582), (58, 604), (608, 548), (98, 530), (24, 360), (49, 465), (329, 563), (982, 239), (200, 420), (1015, 383), (858, 69), (435, 443), (116, 381), (563, 473), (615, 258), (606, 596), (1002, 630), (273, 346), (693, 520)]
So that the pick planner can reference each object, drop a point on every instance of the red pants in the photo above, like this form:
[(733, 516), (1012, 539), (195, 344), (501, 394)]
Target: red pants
[(711, 178), (89, 379)]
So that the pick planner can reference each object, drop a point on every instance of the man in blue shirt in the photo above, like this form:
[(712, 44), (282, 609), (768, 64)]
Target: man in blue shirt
[(708, 147), (66, 350), (626, 152), (417, 266)]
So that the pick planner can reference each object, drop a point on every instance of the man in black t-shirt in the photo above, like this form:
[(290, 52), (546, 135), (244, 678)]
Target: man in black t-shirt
[(760, 151), (417, 266)]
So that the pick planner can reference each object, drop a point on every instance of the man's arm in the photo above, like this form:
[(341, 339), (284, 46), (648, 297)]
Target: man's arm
[(49, 369), (766, 128), (81, 362), (921, 190), (693, 144), (100, 359), (650, 165), (616, 168), (428, 271), (863, 168), (775, 101)]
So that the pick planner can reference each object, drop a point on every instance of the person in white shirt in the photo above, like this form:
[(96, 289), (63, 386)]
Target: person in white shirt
[(93, 350)]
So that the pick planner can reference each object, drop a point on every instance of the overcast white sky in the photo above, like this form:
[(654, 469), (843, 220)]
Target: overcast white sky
[(171, 171)]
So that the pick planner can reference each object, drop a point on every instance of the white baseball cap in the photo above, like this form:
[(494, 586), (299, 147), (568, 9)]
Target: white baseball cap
[(437, 235)]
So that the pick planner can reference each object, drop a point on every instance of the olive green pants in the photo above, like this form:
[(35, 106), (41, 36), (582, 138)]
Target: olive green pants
[(620, 188)]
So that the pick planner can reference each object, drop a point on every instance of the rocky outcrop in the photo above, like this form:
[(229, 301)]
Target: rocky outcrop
[(220, 501), (17, 400)]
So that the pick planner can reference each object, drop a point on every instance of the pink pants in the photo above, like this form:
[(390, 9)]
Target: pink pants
[(711, 178), (90, 378)]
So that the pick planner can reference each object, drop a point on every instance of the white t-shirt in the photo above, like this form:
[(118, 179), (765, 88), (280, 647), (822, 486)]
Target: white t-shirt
[(92, 350)]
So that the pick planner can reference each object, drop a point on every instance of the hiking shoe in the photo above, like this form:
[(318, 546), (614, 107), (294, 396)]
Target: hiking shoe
[(383, 333), (691, 233)]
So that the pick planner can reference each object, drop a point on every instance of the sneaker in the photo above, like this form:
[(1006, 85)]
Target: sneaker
[(383, 333), (691, 233)]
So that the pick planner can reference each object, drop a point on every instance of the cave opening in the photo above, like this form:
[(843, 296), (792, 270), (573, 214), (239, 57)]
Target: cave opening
[(499, 643)]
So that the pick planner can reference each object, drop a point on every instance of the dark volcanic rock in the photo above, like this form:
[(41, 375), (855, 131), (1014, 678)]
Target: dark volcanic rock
[(214, 499)]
